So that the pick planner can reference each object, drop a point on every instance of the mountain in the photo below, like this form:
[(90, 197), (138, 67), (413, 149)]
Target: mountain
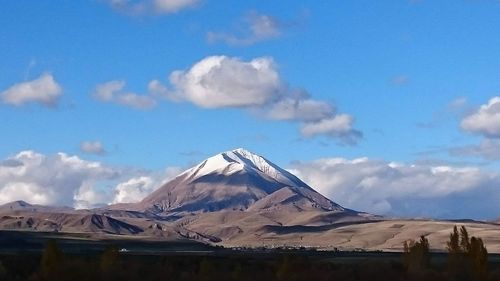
[(236, 180), (25, 206), (242, 191), (238, 198), (67, 222)]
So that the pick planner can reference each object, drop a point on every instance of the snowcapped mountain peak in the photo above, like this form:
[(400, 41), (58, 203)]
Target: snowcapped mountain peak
[(240, 159), (235, 180), (242, 151)]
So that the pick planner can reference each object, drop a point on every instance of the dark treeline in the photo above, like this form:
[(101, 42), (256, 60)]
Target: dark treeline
[(467, 259)]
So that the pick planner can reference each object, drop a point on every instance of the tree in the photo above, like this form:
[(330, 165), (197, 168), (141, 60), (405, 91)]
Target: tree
[(455, 256), (406, 252), (453, 245), (464, 240), (467, 257), (416, 254), (425, 250), (478, 258)]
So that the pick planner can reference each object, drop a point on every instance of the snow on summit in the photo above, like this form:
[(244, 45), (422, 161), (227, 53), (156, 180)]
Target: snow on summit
[(240, 159)]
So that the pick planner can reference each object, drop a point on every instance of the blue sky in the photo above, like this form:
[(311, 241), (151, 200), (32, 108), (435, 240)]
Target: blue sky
[(407, 72)]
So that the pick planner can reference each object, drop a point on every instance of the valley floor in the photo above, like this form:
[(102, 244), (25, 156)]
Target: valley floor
[(96, 260), (28, 255), (247, 230), (384, 235)]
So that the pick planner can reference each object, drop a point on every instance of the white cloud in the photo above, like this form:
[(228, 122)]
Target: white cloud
[(136, 101), (134, 189), (49, 180), (157, 89), (138, 7), (485, 120), (339, 126), (257, 27), (92, 147), (172, 6), (403, 189), (89, 196), (43, 90), (487, 149), (64, 180), (229, 82), (220, 81), (300, 109), (107, 91), (113, 91)]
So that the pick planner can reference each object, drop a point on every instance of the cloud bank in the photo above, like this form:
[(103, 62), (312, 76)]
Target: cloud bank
[(363, 184), (389, 188), (65, 180), (50, 180)]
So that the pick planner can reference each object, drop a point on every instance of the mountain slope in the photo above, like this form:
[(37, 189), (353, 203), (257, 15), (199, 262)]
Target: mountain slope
[(234, 180)]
